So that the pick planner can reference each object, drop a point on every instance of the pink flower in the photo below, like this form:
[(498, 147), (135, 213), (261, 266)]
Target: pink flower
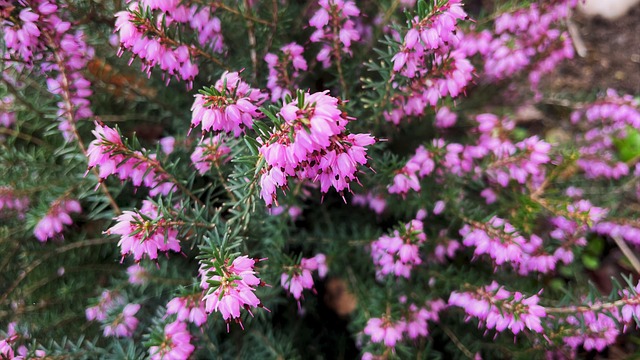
[(125, 323), (12, 203), (499, 309), (299, 277), (188, 308), (334, 17), (229, 106), (144, 233), (55, 219), (383, 330), (138, 275), (176, 343), (209, 151), (311, 144), (284, 70), (230, 288), (113, 158), (399, 253)]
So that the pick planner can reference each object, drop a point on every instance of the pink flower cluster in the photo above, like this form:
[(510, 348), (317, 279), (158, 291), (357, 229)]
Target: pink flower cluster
[(592, 330), (109, 300), (608, 120), (284, 70), (147, 38), (37, 33), (229, 106), (145, 232), (445, 247), (124, 324), (493, 156), (413, 324), (399, 253), (448, 75), (70, 82), (630, 232), (299, 277), (436, 31), (211, 150), (416, 318), (7, 115), (429, 58), (230, 287), (408, 178), (24, 32), (11, 339), (114, 158), (138, 275), (334, 26), (188, 308), (375, 202), (57, 216), (595, 325), (311, 143), (445, 118), (385, 330), (522, 162), (496, 308), (504, 245), (525, 39), (175, 344), (11, 202)]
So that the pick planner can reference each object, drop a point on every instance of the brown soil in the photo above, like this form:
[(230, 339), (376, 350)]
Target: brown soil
[(612, 58)]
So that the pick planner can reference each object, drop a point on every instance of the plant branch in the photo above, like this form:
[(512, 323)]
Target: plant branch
[(66, 96)]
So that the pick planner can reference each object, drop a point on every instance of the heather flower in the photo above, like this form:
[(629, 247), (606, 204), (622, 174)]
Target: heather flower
[(188, 308), (146, 39), (29, 35), (311, 143), (416, 318), (375, 202), (209, 151), (7, 116), (527, 39), (334, 17), (400, 252), (125, 323), (408, 178), (11, 202), (299, 277), (230, 287), (108, 301), (229, 106), (167, 144), (175, 344), (497, 308), (138, 275), (608, 121), (284, 70), (445, 118), (434, 32), (113, 157), (385, 331), (592, 330), (145, 232), (57, 216)]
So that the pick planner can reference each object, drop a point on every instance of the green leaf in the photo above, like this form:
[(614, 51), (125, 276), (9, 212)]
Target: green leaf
[(629, 147), (422, 8), (590, 262), (252, 144)]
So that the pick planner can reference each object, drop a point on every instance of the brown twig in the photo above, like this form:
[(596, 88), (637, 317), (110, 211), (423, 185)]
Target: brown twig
[(251, 33), (66, 97)]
